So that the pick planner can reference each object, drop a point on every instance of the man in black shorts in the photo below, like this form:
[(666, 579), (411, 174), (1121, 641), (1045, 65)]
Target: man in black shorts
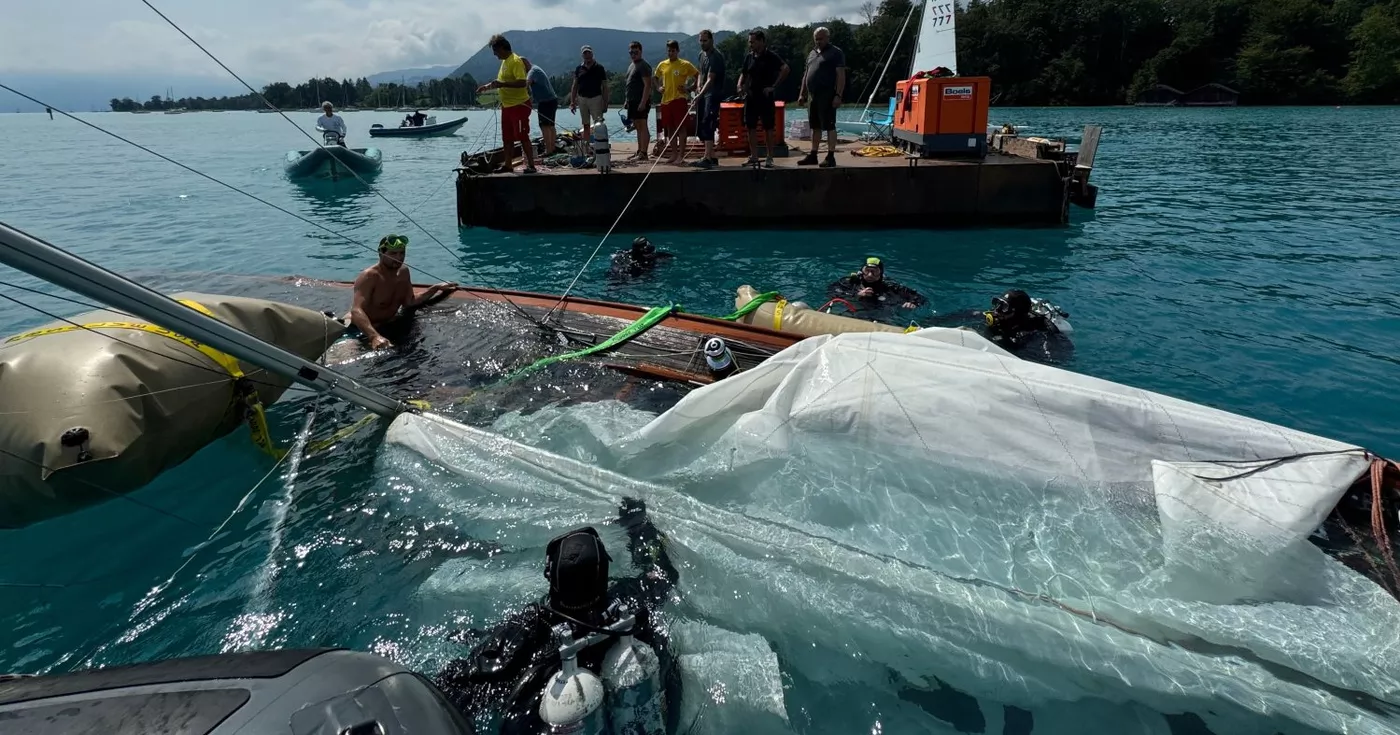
[(824, 81), (758, 83), (711, 95), (638, 102)]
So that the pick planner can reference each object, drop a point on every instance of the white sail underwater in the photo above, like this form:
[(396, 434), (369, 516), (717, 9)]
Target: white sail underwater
[(937, 42)]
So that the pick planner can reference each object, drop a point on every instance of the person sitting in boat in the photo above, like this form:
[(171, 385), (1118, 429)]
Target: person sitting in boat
[(509, 668), (868, 288), (331, 122), (416, 119), (384, 290), (641, 258)]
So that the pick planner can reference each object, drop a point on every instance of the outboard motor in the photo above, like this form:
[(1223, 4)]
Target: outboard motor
[(632, 677), (719, 359), (602, 151)]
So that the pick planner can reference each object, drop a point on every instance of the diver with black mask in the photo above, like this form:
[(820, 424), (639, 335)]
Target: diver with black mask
[(870, 290), (583, 635), (641, 258), (1015, 318)]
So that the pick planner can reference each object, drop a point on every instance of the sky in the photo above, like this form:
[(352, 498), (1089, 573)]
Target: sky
[(298, 39)]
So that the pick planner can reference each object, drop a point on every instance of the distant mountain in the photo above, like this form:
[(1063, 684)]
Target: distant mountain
[(411, 76), (94, 91), (557, 49)]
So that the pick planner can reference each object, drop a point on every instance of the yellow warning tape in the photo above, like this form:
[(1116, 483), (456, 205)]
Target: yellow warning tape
[(346, 432), (247, 395), (778, 314)]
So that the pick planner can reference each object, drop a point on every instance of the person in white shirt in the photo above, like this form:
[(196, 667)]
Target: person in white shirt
[(331, 122)]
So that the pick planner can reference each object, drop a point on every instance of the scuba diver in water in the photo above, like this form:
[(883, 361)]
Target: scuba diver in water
[(868, 288), (641, 258), (1014, 320), (517, 670), (1017, 323)]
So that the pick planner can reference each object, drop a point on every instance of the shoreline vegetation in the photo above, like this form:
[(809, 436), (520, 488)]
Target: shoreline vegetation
[(1074, 53)]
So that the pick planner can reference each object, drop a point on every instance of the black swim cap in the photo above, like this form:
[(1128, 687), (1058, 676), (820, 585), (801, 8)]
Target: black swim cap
[(576, 565), (1017, 301), (643, 245)]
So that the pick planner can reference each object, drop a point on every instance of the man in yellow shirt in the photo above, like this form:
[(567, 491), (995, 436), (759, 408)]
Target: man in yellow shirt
[(514, 96), (675, 77)]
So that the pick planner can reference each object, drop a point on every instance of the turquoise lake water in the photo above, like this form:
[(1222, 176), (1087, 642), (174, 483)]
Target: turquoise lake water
[(1240, 258)]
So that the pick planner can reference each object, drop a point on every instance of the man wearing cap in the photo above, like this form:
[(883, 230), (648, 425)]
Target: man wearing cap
[(385, 288), (589, 95), (868, 289)]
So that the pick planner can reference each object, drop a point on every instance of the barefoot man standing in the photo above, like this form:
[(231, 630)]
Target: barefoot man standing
[(385, 288)]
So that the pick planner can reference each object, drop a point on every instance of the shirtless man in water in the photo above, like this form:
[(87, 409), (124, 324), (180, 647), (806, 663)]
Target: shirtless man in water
[(383, 289)]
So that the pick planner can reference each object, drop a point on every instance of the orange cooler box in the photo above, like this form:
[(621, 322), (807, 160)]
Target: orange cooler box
[(946, 115)]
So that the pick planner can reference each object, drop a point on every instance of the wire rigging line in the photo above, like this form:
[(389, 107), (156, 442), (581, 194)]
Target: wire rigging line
[(114, 338), (168, 159), (100, 488), (320, 144), (655, 162), (254, 197)]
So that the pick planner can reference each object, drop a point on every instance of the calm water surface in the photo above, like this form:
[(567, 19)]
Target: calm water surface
[(1240, 258)]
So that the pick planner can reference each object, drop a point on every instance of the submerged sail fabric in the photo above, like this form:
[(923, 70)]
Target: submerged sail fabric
[(147, 401), (923, 508)]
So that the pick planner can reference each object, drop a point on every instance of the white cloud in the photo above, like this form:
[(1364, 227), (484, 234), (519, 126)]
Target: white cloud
[(278, 39)]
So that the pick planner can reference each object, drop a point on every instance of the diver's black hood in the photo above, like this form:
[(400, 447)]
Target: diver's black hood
[(576, 566)]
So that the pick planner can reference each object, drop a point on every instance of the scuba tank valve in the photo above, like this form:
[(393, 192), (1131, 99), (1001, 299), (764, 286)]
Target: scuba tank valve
[(573, 700), (631, 674)]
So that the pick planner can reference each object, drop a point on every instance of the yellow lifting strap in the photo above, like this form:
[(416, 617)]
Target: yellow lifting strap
[(778, 314), (246, 394)]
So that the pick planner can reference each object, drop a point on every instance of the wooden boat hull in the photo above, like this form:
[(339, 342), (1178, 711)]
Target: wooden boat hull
[(333, 162), (669, 351), (425, 131)]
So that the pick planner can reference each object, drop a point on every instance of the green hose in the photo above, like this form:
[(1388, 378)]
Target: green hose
[(750, 307), (643, 323)]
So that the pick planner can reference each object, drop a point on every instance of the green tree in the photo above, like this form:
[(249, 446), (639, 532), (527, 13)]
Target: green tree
[(1374, 73)]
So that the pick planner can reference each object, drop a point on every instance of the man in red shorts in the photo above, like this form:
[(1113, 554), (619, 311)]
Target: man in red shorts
[(514, 95), (675, 78)]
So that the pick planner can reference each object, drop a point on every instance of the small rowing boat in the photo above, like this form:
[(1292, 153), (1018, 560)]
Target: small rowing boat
[(430, 130)]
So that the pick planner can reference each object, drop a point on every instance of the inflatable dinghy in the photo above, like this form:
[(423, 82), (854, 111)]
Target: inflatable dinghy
[(253, 693), (104, 409), (333, 162)]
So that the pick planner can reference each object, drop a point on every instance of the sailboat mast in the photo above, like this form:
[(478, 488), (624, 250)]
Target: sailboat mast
[(40, 259), (894, 48)]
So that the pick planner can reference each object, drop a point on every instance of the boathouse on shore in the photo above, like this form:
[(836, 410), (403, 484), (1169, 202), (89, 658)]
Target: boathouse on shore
[(1211, 95), (1159, 95)]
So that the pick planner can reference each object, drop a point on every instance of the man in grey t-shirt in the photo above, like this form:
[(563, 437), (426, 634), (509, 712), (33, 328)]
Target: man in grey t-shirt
[(824, 81), (638, 104)]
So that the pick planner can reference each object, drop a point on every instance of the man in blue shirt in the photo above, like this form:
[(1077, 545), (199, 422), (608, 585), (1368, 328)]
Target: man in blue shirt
[(546, 102)]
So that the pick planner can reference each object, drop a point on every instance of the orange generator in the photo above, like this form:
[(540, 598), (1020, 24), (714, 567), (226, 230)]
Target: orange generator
[(942, 116)]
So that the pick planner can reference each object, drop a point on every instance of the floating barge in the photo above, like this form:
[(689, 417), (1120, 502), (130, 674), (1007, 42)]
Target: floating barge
[(1021, 181)]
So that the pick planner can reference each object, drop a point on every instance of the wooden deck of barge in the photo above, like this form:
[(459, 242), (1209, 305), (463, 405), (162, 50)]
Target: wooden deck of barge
[(899, 191)]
